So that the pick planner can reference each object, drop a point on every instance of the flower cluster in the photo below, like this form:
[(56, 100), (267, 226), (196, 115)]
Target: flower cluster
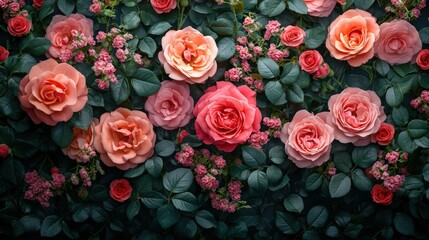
[(421, 103), (406, 9), (18, 22), (104, 8), (41, 189)]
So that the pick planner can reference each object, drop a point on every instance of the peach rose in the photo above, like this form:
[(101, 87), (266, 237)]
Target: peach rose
[(60, 31), (18, 26), (292, 36), (124, 138), (307, 139), (355, 115), (227, 115), (82, 143), (310, 61), (171, 107), (189, 56), (320, 8), (399, 41), (384, 135), (352, 36), (163, 6), (422, 59), (52, 92)]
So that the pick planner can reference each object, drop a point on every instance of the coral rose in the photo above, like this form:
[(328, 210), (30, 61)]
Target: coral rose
[(381, 195), (59, 32), (189, 56), (81, 144), (310, 61), (18, 26), (355, 115), (292, 36), (227, 115), (120, 190), (307, 139), (352, 36), (320, 8), (422, 59), (52, 92), (163, 6), (384, 135), (171, 107), (38, 4), (4, 54), (124, 138), (4, 150), (399, 41)]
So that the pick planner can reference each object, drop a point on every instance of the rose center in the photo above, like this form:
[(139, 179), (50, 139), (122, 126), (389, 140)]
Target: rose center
[(227, 118), (53, 92), (355, 38), (396, 44)]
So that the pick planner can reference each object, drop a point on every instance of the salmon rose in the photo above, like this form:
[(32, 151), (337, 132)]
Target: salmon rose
[(351, 37), (124, 138), (307, 139), (52, 92), (189, 56), (82, 143), (320, 8), (163, 6), (227, 115)]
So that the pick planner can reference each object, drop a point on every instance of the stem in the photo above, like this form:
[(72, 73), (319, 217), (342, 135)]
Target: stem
[(235, 22)]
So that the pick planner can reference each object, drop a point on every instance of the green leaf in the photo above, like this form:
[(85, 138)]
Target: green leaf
[(400, 116), (205, 219), (314, 37), (223, 27), (66, 6), (290, 73), (274, 93), (274, 174), (422, 142), (413, 183), (339, 185), (145, 82), (120, 90), (37, 46), (82, 214), (405, 142), (294, 203), (154, 166), (153, 199), (159, 28), (343, 218), (382, 67), (363, 4), (51, 226), (83, 118), (394, 96), (268, 68), (425, 172), (258, 181), (186, 202), (148, 46), (287, 223), (226, 49), (353, 230), (135, 172), (317, 216), (133, 209), (95, 98), (165, 148), (31, 223), (313, 182), (277, 154), (272, 8), (417, 128), (167, 216), (178, 181), (297, 6), (186, 228), (62, 134), (424, 35), (253, 157), (361, 181), (131, 20), (404, 224), (332, 231), (295, 94), (365, 156), (343, 161), (7, 170)]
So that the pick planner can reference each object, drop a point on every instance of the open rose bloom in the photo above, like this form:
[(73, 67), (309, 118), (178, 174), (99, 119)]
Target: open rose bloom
[(320, 8), (124, 138), (82, 140), (189, 56)]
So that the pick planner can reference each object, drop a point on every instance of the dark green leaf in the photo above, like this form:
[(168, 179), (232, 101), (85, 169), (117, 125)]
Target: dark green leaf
[(178, 180), (83, 118), (314, 37), (343, 161), (226, 49), (268, 68), (400, 116), (145, 82), (167, 216), (290, 73), (294, 203), (186, 202), (424, 35), (159, 28), (131, 20), (62, 134), (363, 4), (365, 156), (253, 157), (154, 166), (51, 226), (417, 128), (361, 181), (205, 219), (258, 181), (404, 224), (274, 93), (135, 172), (394, 96), (165, 148), (223, 27), (133, 209), (148, 46), (272, 8), (153, 199), (287, 223), (37, 46), (339, 185), (66, 6), (313, 182), (317, 216), (298, 6), (186, 228), (295, 94), (121, 90), (405, 142), (277, 154)]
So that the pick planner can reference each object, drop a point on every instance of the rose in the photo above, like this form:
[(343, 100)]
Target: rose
[(189, 56), (120, 190), (163, 6), (384, 135), (4, 150), (422, 59), (227, 115), (322, 72), (355, 115), (171, 107), (310, 61), (307, 139), (59, 32), (351, 37), (320, 8), (18, 26), (52, 92), (4, 54), (82, 142), (124, 138), (292, 36), (399, 41), (38, 4), (381, 195)]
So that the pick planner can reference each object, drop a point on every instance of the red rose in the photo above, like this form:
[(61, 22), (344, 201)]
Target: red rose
[(4, 54), (384, 135), (423, 59), (4, 150), (120, 190), (310, 61), (163, 6), (381, 195), (38, 4), (18, 26)]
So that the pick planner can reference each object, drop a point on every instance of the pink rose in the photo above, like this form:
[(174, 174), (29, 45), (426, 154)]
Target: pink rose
[(422, 59), (163, 6), (355, 115), (320, 8), (322, 71), (227, 115), (189, 56), (171, 107), (52, 92), (124, 138), (351, 37), (307, 139), (82, 140), (310, 61), (292, 36), (59, 32), (18, 26), (399, 41)]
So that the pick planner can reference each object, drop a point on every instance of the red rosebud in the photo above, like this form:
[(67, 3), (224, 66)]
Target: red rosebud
[(38, 4), (18, 26), (4, 54), (182, 135), (4, 150), (384, 135), (368, 172), (381, 195), (120, 190), (54, 170)]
